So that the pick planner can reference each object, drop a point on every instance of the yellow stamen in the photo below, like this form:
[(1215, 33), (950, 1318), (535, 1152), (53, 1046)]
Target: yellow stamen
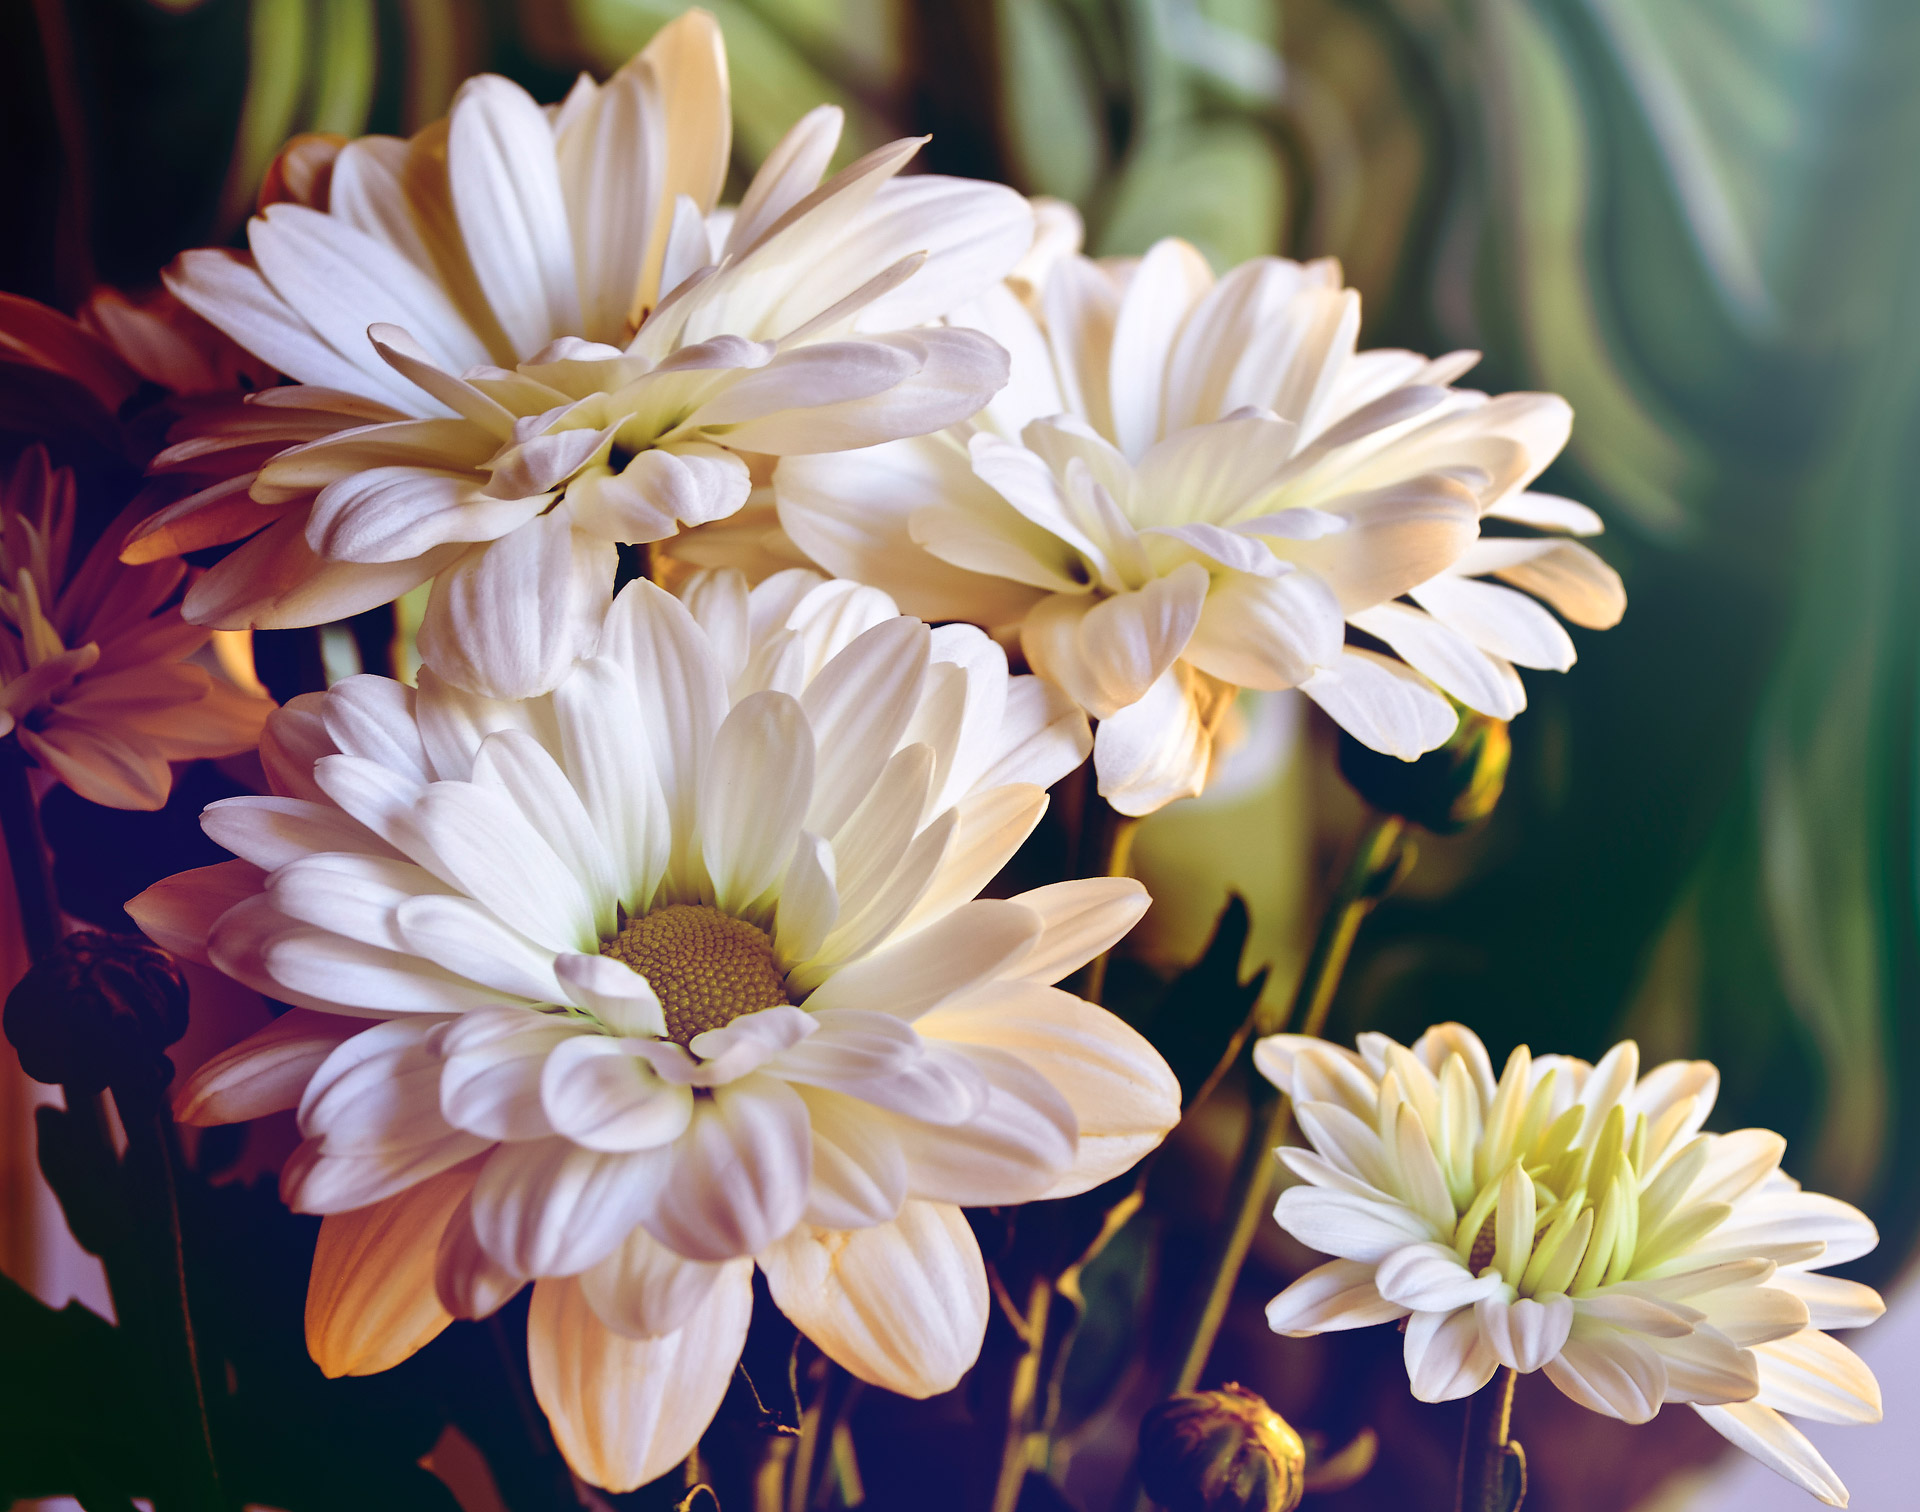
[(707, 968)]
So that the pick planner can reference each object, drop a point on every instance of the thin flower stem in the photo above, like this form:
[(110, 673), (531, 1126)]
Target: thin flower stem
[(1487, 1483), (150, 1163), (153, 1180), (27, 851), (1375, 864), (1118, 831), (1016, 1455)]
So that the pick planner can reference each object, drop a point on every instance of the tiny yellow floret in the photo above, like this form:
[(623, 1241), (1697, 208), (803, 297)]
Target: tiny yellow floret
[(707, 967)]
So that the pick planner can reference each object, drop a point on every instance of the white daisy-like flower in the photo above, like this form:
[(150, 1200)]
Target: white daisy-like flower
[(677, 970), (1572, 1219), (527, 335), (1194, 485), (95, 681)]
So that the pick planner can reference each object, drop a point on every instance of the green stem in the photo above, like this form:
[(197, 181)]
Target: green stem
[(1493, 1468), (154, 1185), (1016, 1454), (1375, 865), (1108, 852)]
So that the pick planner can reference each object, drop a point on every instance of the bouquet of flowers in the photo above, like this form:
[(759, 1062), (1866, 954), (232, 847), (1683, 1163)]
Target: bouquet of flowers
[(708, 656)]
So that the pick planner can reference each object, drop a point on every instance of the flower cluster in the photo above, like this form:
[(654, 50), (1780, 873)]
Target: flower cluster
[(1572, 1218), (778, 558)]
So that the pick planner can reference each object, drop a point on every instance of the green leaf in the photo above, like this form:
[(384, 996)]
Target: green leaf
[(1220, 185)]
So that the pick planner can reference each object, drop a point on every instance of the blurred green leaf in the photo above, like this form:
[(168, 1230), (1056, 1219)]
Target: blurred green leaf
[(1053, 107), (1219, 185), (342, 88), (277, 43)]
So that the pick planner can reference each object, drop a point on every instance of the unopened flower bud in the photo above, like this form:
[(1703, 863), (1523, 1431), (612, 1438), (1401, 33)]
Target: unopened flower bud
[(1221, 1451), (99, 1010), (1447, 790)]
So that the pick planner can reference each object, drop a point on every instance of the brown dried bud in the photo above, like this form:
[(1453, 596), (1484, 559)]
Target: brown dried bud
[(1449, 789), (98, 1011), (1221, 1451)]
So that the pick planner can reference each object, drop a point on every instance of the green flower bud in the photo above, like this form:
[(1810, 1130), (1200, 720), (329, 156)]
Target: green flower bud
[(1447, 790), (99, 1010), (1221, 1451)]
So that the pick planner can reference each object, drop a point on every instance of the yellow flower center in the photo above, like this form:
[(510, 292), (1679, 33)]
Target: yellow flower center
[(707, 968)]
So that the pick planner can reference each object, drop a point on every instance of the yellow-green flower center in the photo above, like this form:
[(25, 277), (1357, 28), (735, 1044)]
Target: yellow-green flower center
[(706, 967)]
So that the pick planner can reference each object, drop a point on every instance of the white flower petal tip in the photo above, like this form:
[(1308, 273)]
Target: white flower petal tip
[(1571, 1219), (902, 1305), (624, 1411)]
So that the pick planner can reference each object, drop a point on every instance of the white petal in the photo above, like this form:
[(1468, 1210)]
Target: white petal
[(683, 697), (490, 1077), (1350, 1227), (902, 1305), (882, 1061), (1831, 1302), (266, 1072), (609, 760), (1160, 748), (625, 1411), (1443, 654), (551, 1208), (613, 992), (645, 1291), (1610, 1371), (469, 1282), (1165, 286), (1524, 1334), (754, 797), (1430, 1278), (858, 708), (1016, 1149), (859, 1169), (1383, 704), (1337, 1295), (974, 943), (371, 1301), (1079, 920), (1124, 1097), (1778, 1445), (1499, 620), (510, 618), (505, 182), (597, 1093), (1446, 1357), (1811, 1375), (495, 856), (740, 1173), (1267, 632), (462, 936)]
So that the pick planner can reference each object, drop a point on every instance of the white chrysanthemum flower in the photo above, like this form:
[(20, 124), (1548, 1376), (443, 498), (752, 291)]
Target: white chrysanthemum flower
[(95, 683), (1191, 486), (544, 340), (682, 970), (1573, 1219)]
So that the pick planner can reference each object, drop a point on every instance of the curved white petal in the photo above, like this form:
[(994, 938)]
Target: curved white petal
[(902, 1304), (625, 1411)]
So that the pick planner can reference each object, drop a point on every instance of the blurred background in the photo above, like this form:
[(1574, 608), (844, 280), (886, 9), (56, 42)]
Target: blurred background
[(1697, 221)]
